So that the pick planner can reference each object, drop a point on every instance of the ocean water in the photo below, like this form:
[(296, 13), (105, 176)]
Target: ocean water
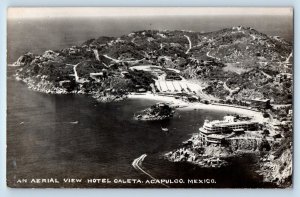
[(74, 136)]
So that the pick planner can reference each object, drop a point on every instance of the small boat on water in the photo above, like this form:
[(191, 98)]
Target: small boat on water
[(164, 129), (75, 122)]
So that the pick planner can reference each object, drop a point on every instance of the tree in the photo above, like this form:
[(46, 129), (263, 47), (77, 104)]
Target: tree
[(264, 146), (266, 115), (266, 132)]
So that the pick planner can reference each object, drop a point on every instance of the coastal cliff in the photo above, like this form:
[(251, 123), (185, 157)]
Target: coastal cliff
[(277, 166), (278, 170)]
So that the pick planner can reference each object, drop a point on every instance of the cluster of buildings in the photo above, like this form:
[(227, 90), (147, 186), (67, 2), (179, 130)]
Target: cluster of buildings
[(255, 104)]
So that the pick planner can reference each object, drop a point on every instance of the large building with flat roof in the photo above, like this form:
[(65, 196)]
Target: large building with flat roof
[(216, 130)]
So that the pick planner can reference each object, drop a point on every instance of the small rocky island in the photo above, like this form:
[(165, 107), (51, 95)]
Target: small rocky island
[(159, 111)]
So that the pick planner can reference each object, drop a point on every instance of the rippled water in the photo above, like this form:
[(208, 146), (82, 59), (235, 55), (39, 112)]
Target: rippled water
[(45, 141)]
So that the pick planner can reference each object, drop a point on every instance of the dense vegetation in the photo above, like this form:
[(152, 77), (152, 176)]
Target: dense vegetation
[(238, 57)]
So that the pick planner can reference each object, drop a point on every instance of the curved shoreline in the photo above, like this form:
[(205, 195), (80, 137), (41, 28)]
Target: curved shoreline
[(182, 105)]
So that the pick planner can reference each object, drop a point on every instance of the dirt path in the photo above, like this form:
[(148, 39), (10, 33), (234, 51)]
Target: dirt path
[(190, 44), (96, 54)]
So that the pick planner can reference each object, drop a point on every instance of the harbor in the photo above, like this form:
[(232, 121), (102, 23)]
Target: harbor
[(75, 142)]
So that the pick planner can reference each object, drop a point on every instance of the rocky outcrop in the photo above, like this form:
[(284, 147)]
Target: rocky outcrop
[(159, 111), (207, 157), (43, 85), (24, 59), (279, 169), (106, 98)]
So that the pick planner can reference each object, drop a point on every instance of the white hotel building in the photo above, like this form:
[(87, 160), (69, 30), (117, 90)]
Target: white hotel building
[(217, 130)]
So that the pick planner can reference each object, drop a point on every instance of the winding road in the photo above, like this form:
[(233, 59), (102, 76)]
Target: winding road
[(96, 54), (75, 71), (190, 44), (289, 57), (161, 46), (207, 54)]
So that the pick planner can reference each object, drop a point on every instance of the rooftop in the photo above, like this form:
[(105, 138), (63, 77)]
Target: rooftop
[(228, 121), (225, 123)]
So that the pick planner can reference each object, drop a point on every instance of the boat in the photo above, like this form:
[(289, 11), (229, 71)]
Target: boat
[(164, 129)]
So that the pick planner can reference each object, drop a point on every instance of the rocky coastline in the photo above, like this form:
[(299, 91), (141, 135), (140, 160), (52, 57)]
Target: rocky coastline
[(106, 98), (277, 168), (193, 152), (42, 85)]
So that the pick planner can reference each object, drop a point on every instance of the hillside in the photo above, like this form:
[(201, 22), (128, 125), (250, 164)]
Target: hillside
[(239, 57)]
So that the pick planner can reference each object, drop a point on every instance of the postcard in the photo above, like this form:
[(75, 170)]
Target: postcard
[(150, 97)]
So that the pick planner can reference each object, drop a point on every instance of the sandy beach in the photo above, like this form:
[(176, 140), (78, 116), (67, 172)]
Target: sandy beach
[(183, 105)]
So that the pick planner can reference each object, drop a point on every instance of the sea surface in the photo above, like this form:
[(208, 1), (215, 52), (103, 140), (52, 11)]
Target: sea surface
[(74, 136)]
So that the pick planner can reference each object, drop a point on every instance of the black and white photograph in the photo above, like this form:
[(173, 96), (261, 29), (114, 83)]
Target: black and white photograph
[(150, 97)]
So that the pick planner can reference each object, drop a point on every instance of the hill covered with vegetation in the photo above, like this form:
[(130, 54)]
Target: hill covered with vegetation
[(232, 63)]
